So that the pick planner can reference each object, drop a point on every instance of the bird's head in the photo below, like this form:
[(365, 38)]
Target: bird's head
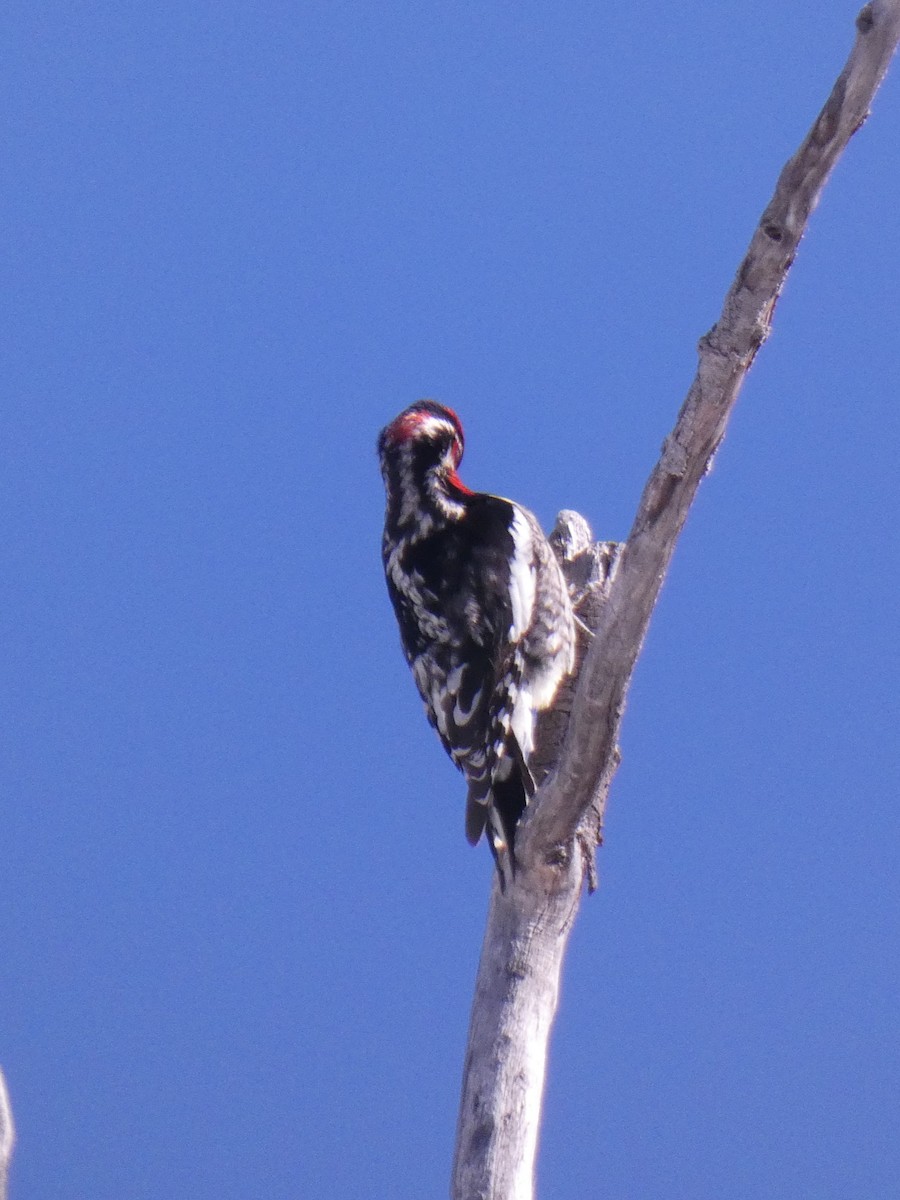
[(428, 432)]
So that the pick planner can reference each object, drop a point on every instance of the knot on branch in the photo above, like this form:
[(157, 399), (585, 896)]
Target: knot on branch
[(865, 19), (674, 457), (588, 566)]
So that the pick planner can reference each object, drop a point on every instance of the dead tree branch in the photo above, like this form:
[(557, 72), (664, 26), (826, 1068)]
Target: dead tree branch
[(7, 1136), (528, 925)]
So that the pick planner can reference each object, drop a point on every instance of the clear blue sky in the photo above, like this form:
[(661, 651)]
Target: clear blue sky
[(239, 921)]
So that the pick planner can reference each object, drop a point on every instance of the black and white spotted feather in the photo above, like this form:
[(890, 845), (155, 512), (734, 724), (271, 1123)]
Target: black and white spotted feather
[(484, 614)]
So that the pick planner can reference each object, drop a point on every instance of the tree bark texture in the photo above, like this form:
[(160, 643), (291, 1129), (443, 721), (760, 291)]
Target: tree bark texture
[(529, 924), (515, 1002)]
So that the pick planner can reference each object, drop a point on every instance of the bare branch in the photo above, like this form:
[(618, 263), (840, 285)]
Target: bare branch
[(529, 924), (726, 353), (503, 1078), (7, 1136)]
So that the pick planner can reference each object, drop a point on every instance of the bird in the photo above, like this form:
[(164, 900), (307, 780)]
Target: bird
[(484, 613)]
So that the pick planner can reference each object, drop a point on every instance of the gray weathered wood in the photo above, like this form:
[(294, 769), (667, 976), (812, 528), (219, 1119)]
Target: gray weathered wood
[(515, 1003), (7, 1136), (528, 926)]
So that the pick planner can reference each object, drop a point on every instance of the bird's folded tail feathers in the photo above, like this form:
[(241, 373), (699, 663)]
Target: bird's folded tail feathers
[(500, 809), (476, 816)]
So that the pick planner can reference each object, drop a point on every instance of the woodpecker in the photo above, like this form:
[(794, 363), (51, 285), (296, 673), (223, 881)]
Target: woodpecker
[(485, 619)]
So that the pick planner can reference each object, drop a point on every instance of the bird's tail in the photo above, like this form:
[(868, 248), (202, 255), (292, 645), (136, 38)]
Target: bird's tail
[(499, 811)]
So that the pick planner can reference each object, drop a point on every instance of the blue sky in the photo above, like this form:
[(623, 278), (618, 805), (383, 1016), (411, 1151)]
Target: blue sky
[(239, 920)]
